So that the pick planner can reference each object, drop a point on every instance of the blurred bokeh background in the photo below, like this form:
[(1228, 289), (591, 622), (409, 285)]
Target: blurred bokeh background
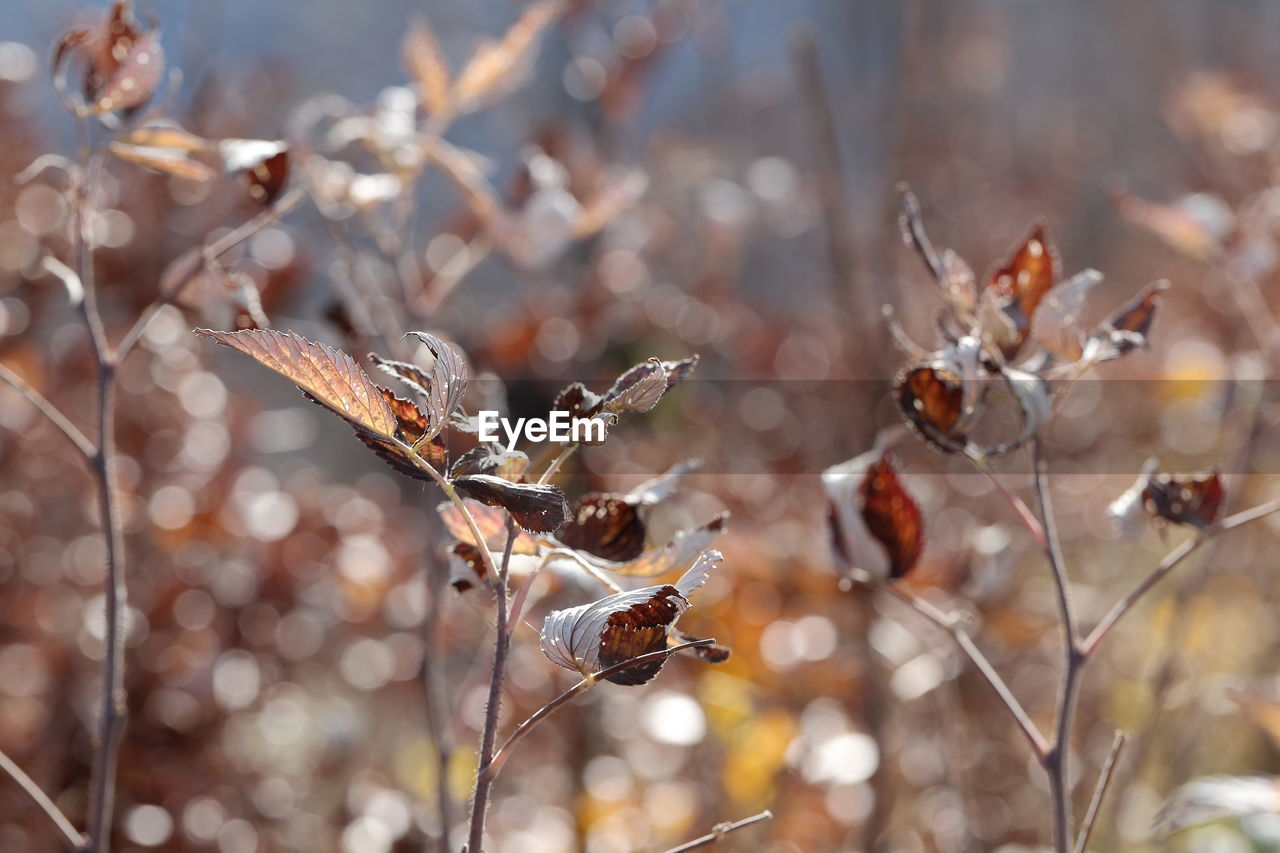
[(288, 590)]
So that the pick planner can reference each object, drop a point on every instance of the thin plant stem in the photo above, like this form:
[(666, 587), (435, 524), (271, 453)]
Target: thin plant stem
[(116, 594), (1100, 792), (560, 459), (28, 785), (209, 254), (1024, 513), (1057, 762), (493, 708), (719, 831), (1039, 746), (51, 412), (1168, 564), (522, 731)]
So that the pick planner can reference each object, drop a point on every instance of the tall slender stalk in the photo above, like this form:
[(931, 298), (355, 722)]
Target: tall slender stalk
[(493, 708), (1057, 763), (114, 707)]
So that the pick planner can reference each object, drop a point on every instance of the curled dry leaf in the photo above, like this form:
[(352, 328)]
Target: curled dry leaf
[(264, 162), (1215, 798), (492, 459), (932, 399), (1194, 499), (679, 553), (620, 627), (605, 526), (123, 65), (413, 427), (535, 507), (1128, 328), (448, 384), (613, 527), (1019, 284), (1058, 324), (712, 653), (876, 526)]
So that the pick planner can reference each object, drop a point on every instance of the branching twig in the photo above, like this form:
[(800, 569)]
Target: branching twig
[(1057, 762), (1039, 746), (1100, 792), (1171, 560), (51, 412), (720, 831), (504, 751), (208, 255), (27, 784)]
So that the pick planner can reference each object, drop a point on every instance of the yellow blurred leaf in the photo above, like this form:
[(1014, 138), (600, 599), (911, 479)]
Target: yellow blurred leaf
[(497, 68), (423, 60), (167, 160)]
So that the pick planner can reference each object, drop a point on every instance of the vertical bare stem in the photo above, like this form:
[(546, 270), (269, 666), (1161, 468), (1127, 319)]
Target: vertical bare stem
[(493, 708), (115, 593), (1057, 762)]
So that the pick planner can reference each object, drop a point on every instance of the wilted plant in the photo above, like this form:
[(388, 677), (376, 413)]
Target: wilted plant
[(1013, 341), (624, 637), (113, 79)]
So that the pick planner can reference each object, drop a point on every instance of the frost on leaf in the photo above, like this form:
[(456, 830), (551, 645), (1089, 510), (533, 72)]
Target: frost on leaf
[(620, 627)]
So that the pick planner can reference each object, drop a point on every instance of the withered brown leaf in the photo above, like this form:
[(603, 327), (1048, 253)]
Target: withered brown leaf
[(124, 65), (326, 373), (1194, 499), (892, 516), (931, 398), (1021, 282), (606, 526), (535, 507), (623, 626)]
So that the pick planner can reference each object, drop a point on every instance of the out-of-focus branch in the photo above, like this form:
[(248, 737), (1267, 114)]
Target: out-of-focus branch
[(1100, 792), (27, 784), (522, 731), (208, 255), (720, 830), (1171, 561), (51, 412), (831, 177), (1039, 746)]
